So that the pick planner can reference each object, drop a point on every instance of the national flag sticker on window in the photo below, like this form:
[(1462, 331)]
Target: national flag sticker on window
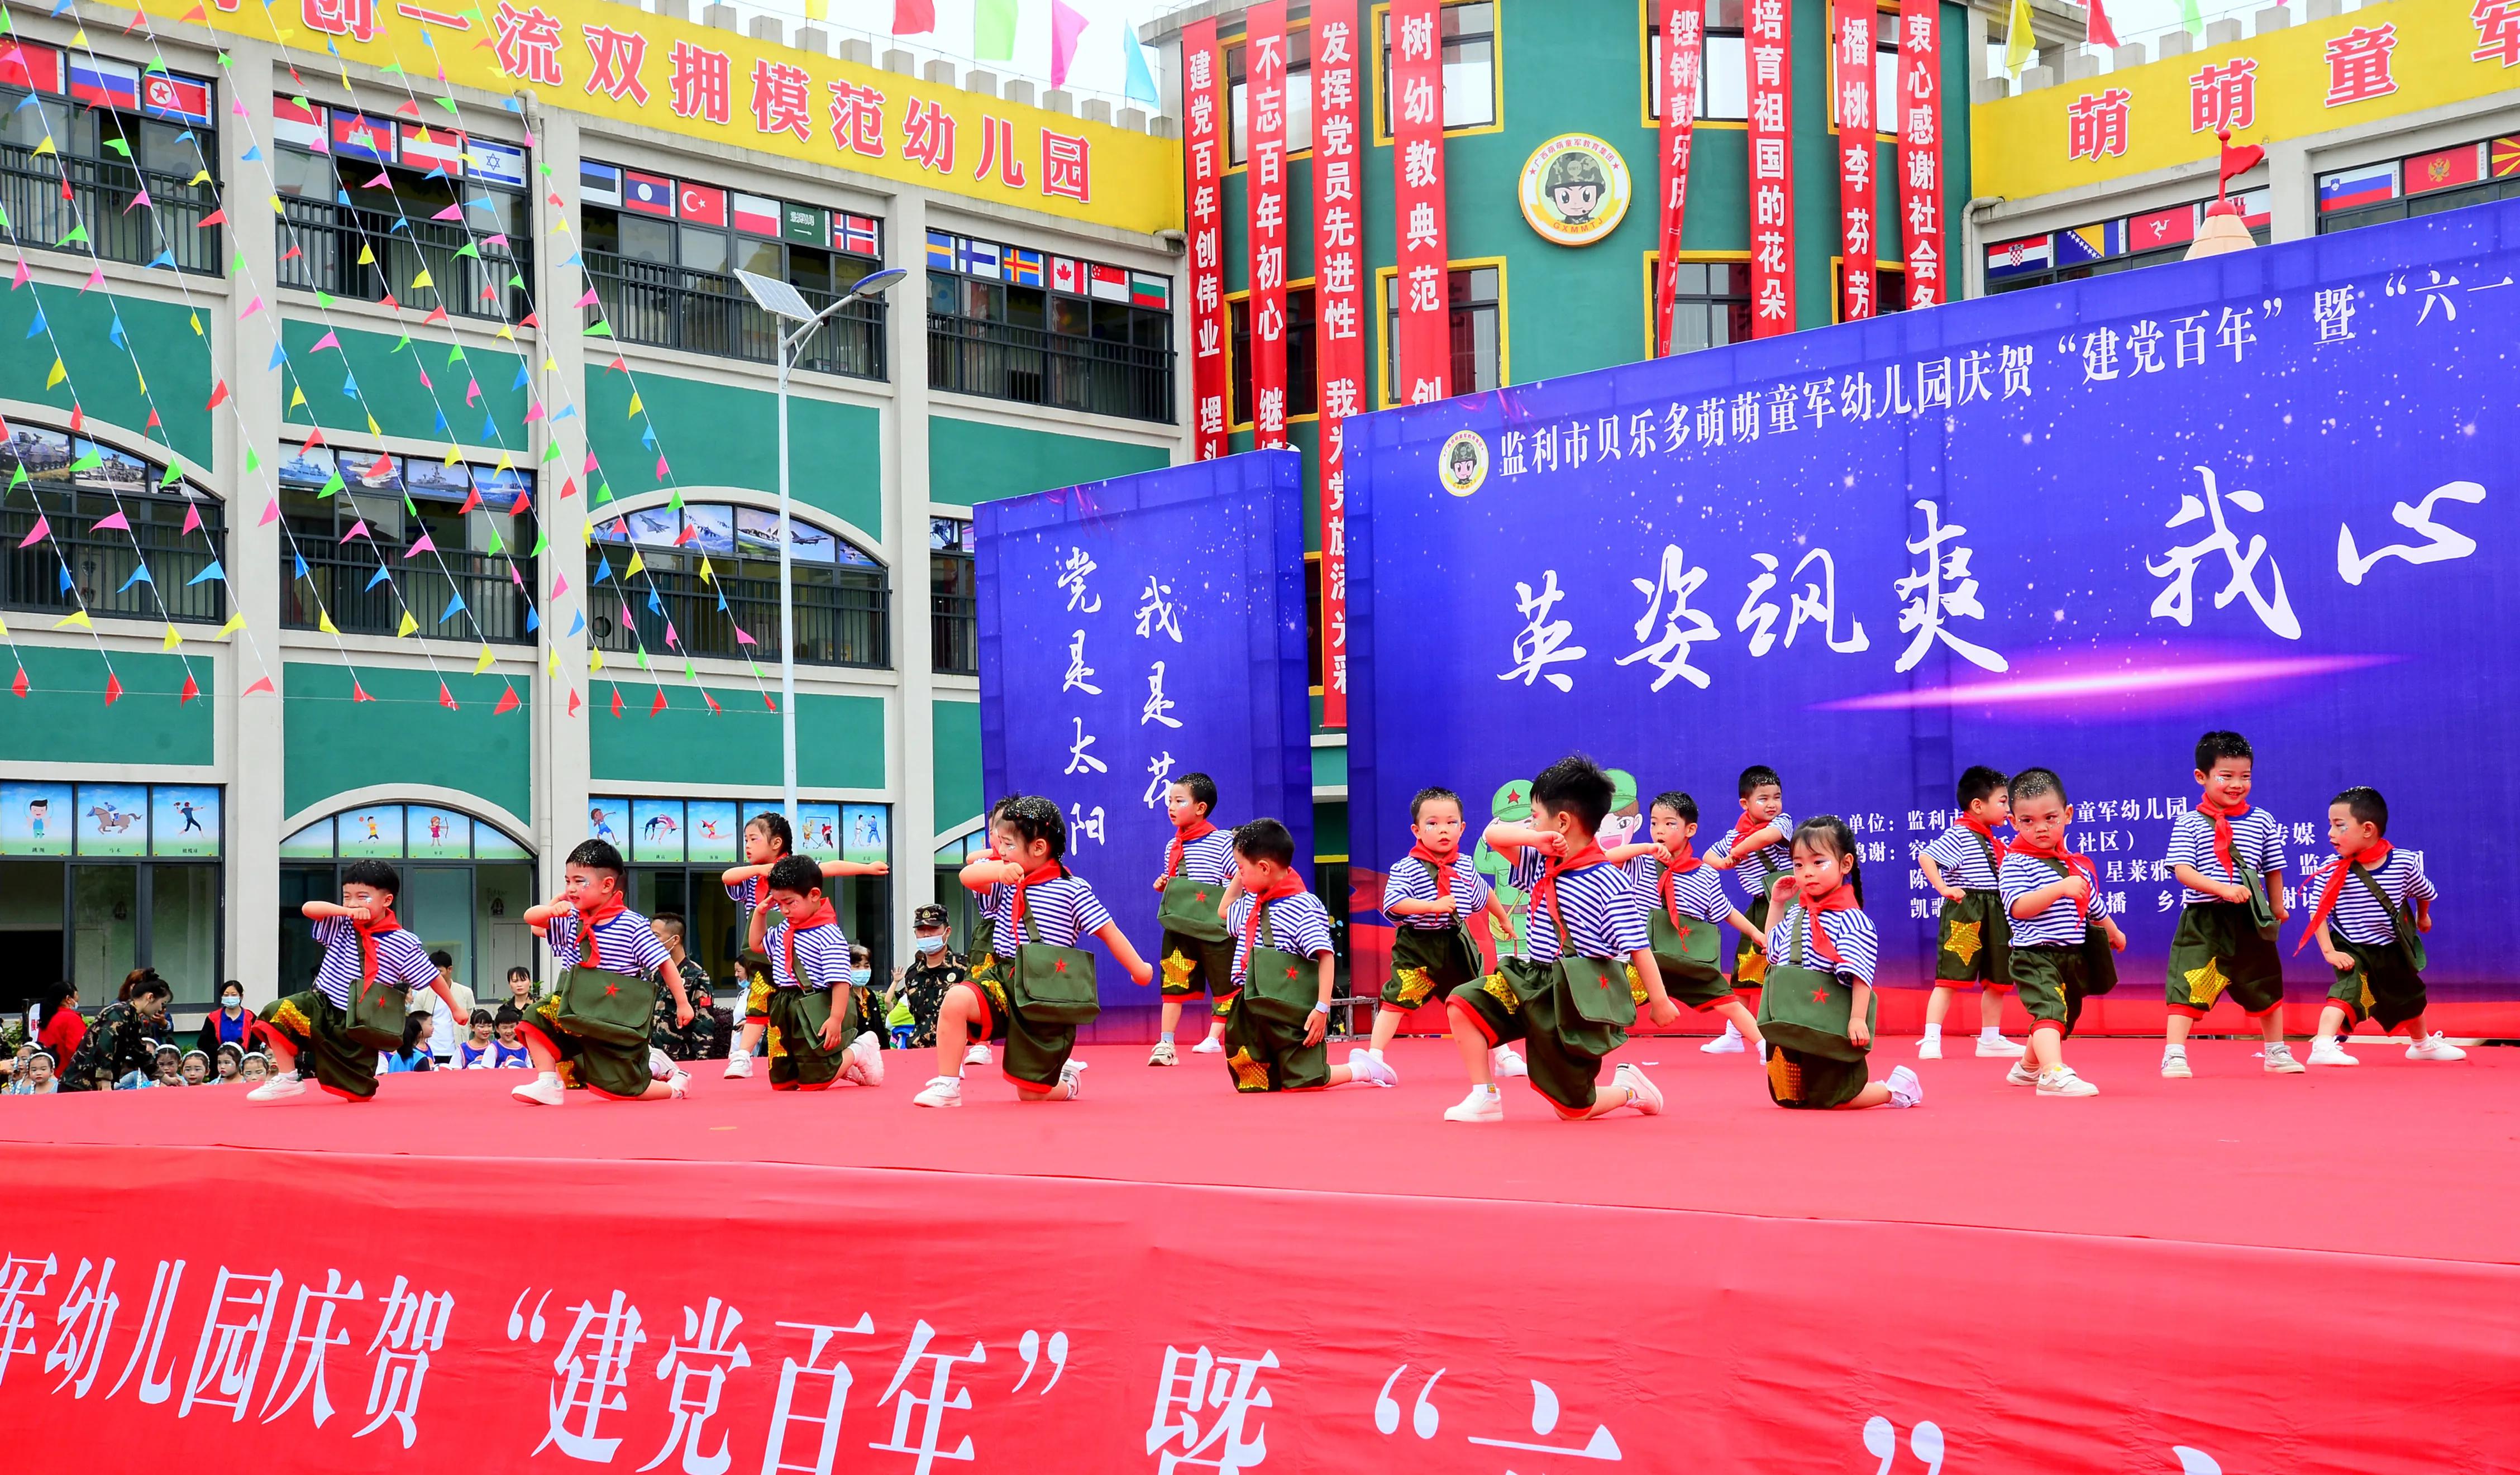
[(1463, 463)]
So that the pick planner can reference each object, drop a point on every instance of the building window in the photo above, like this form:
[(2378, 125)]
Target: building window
[(1710, 302), (114, 133), (2426, 184), (1470, 68), (677, 848), (478, 264), (1889, 287), (97, 880), (1299, 101), (954, 597), (1479, 329), (72, 483), (1303, 388), (1009, 323), (843, 597), (466, 885), (1722, 82), (324, 492)]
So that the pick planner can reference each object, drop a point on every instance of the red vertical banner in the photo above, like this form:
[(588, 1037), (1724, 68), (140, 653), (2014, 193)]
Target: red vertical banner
[(1264, 71), (1203, 164), (1920, 150), (1857, 113), (1338, 311), (1684, 41), (1768, 57), (1424, 372)]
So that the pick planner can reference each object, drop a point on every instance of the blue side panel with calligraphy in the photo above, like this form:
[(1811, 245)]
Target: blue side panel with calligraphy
[(1138, 629), (2076, 527)]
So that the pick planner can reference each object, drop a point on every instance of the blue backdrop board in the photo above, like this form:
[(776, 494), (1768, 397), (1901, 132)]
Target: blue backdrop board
[(1142, 627), (2076, 526)]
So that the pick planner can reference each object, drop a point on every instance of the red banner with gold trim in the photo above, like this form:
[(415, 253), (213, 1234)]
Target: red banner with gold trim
[(1684, 42), (1767, 56), (1202, 163), (1920, 151), (1264, 71), (1425, 369), (1338, 311)]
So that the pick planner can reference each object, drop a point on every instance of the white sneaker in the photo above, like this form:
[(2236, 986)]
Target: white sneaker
[(1644, 1095), (1728, 1042), (2062, 1082), (738, 1065), (944, 1091), (1998, 1048), (2326, 1051), (1164, 1055), (977, 1055), (2022, 1073), (1905, 1088), (1507, 1064), (1369, 1067), (680, 1082), (1072, 1076), (1929, 1047), (2174, 1063), (1482, 1104), (1211, 1045), (542, 1091), (866, 1060), (2435, 1048), (279, 1087), (2279, 1060), (661, 1065)]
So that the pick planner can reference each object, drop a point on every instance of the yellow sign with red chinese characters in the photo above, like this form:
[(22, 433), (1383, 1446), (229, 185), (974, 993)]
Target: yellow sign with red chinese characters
[(618, 62), (2375, 62)]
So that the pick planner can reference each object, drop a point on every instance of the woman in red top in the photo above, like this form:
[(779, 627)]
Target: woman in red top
[(60, 1026)]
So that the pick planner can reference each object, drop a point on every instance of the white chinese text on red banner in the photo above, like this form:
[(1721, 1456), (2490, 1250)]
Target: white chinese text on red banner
[(1920, 149), (1264, 65), (1683, 38), (1203, 136), (1767, 57), (1338, 312), (1424, 371)]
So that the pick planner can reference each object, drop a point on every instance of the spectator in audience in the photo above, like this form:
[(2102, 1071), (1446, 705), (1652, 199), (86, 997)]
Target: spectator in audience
[(35, 1077), (417, 1024), (862, 985), (479, 1050), (253, 1070), (195, 1068), (933, 968), (231, 1023), (164, 1067), (60, 1026), (691, 1042), (118, 1042), (226, 1063), (512, 1054), (520, 991), (450, 1025)]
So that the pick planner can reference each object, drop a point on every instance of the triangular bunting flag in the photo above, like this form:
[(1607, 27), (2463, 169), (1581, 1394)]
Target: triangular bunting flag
[(409, 626), (324, 622), (446, 699), (508, 703), (192, 689), (112, 686), (76, 619), (262, 687), (484, 664), (659, 704), (172, 638)]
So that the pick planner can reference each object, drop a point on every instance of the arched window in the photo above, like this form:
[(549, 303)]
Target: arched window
[(708, 584), (466, 885), (144, 571)]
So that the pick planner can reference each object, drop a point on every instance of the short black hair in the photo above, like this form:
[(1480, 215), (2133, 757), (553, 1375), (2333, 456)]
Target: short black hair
[(597, 855), (149, 984), (1202, 789), (520, 971), (674, 919), (1834, 832), (2030, 782), (794, 872), (2364, 803), (1035, 817), (1979, 781), (441, 958), (1677, 802), (2220, 744), (480, 1017), (375, 875), (775, 824), (1575, 785), (507, 1014), (1756, 777), (1425, 796), (1265, 840)]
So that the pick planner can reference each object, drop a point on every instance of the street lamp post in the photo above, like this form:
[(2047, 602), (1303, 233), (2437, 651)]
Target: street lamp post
[(785, 302)]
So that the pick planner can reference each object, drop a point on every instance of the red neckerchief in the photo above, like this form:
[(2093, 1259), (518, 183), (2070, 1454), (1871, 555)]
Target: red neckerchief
[(1987, 833), (368, 931), (1051, 871), (2223, 818), (1687, 862), (1183, 836), (1286, 886), (821, 917), (2376, 855), (1443, 864), (1840, 900), (1544, 892), (2075, 865), (586, 920), (1744, 828)]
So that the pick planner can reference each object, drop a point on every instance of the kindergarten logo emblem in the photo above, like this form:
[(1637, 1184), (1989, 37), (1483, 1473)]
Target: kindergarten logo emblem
[(1575, 189), (1463, 463)]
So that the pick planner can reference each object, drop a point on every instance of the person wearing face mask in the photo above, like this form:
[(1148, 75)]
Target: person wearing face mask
[(231, 1023), (933, 968)]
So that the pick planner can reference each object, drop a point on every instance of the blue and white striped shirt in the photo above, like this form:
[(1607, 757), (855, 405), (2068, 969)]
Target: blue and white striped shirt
[(1413, 880), (2257, 841), (402, 959), (1760, 869), (1209, 857), (1297, 924), (1698, 890), (1850, 932), (2060, 925), (2362, 919), (1064, 909), (822, 952), (1962, 851), (1599, 903), (624, 940), (747, 894)]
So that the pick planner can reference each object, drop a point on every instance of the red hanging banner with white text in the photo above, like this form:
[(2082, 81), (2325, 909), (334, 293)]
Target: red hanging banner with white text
[(1856, 113), (1338, 313), (1768, 57), (1201, 163), (1684, 37), (1264, 63), (1425, 368), (1920, 149)]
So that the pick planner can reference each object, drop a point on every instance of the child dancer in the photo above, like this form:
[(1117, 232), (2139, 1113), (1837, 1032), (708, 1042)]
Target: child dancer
[(1757, 848), (1819, 927), (2366, 936), (364, 948), (1584, 912), (1030, 896), (594, 935), (1431, 891), (814, 1035), (1275, 1024), (2230, 860), (2047, 892), (1196, 949), (1672, 882), (767, 840), (1975, 934)]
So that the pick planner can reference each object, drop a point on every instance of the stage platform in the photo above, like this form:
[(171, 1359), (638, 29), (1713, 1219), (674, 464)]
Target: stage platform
[(2239, 1272)]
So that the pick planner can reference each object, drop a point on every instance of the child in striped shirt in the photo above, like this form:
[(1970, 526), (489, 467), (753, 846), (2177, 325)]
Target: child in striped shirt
[(1757, 850), (816, 1034), (2047, 892), (1582, 909), (2229, 858), (1275, 1024), (1671, 880), (768, 839), (2363, 927), (593, 934), (1974, 935), (1029, 895), (1431, 891), (1818, 924), (1196, 949), (364, 948)]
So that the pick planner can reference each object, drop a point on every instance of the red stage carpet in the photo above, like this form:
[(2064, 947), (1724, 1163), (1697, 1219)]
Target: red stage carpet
[(2270, 1274)]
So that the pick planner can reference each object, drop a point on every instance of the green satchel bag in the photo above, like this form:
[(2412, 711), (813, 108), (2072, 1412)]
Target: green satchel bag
[(1278, 986), (1189, 907), (375, 1015), (2401, 920), (1598, 987), (2262, 908), (613, 1008), (1803, 1010), (1690, 949), (1052, 985), (2100, 959)]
